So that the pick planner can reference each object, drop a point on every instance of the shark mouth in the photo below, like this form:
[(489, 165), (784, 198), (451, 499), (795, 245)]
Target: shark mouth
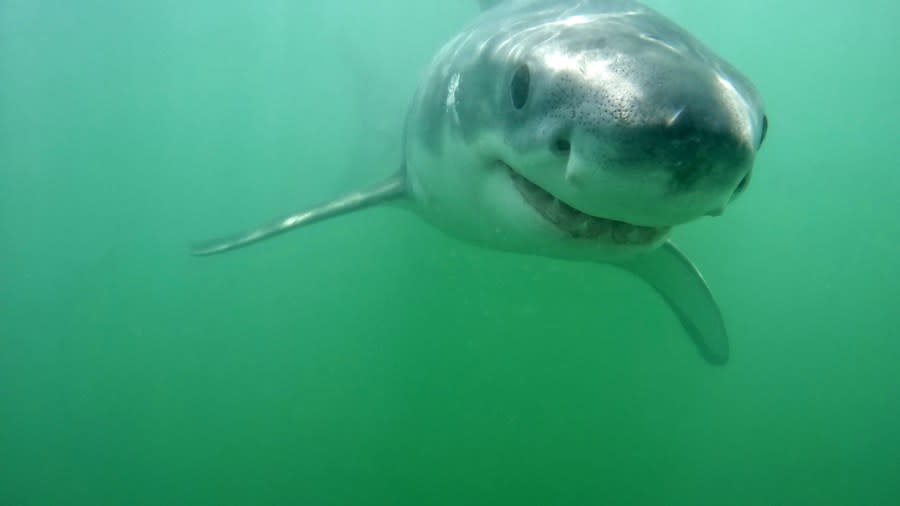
[(580, 225)]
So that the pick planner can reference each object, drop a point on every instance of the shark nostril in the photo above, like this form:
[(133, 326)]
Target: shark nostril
[(562, 146)]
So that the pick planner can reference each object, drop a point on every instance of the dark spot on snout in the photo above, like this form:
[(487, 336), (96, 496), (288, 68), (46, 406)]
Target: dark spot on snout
[(697, 148), (562, 146)]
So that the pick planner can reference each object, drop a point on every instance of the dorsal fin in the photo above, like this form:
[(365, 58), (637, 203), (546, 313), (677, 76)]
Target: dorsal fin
[(682, 286), (487, 4), (392, 189)]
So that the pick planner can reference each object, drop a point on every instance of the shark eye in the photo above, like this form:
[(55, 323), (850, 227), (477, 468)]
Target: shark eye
[(765, 129), (520, 86)]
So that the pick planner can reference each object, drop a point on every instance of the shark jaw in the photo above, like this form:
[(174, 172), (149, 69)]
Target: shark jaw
[(580, 225)]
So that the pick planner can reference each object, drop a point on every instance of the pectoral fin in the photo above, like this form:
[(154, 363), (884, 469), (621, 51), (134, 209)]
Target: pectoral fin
[(682, 286), (392, 189)]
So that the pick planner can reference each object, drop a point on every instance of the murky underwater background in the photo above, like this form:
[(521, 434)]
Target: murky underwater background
[(371, 360)]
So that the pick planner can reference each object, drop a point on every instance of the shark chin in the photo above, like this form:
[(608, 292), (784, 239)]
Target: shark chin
[(580, 225)]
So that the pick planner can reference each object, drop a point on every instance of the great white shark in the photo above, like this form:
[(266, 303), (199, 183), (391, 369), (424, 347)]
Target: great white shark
[(575, 129)]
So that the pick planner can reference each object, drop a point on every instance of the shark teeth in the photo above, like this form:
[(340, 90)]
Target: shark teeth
[(580, 225)]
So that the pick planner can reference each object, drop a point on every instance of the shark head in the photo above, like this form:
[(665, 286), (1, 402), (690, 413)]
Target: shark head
[(588, 127)]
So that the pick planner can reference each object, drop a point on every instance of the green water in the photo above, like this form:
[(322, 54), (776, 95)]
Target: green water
[(373, 360)]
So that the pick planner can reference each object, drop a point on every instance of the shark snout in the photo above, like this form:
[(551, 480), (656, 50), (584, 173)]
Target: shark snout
[(657, 173), (676, 134)]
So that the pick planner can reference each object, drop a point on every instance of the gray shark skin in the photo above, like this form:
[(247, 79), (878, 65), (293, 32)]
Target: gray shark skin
[(580, 130)]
